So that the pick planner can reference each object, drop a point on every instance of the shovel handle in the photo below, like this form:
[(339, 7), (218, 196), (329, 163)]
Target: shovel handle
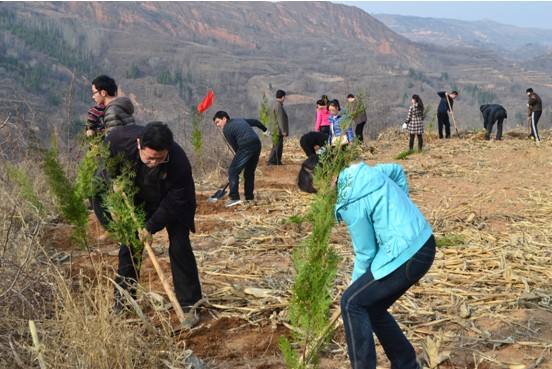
[(166, 286)]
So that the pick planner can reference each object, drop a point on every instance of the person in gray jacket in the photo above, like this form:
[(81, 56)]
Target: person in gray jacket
[(118, 110), (281, 119), (245, 143), (493, 113)]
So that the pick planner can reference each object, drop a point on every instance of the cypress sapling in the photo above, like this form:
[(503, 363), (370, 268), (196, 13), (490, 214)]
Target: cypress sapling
[(68, 201), (87, 184), (126, 219), (315, 263)]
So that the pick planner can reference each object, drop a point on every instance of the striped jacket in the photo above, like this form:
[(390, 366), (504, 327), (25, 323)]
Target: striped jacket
[(415, 121)]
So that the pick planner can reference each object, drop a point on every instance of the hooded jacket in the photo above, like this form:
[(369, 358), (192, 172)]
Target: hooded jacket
[(386, 228), (118, 113), (492, 113)]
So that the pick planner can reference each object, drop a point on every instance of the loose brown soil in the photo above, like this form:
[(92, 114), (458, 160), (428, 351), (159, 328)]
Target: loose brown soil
[(487, 194)]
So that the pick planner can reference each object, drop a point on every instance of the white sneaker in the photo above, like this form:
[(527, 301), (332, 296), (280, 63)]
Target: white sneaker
[(230, 203)]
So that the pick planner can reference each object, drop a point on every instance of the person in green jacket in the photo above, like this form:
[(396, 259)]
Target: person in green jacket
[(394, 247)]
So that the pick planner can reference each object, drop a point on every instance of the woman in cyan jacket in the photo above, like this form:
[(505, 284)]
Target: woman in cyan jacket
[(394, 247), (337, 135)]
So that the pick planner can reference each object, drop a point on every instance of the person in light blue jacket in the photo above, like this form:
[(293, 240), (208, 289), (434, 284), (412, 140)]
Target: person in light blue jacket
[(394, 247)]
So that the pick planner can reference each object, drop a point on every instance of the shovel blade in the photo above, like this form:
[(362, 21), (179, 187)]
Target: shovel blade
[(217, 196)]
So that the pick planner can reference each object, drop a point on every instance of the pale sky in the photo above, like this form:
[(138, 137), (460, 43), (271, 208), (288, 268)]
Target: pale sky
[(536, 14)]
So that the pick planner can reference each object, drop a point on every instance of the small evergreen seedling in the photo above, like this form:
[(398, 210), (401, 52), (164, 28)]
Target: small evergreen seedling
[(68, 201), (268, 118), (126, 218), (404, 154), (315, 263), (197, 142), (87, 183)]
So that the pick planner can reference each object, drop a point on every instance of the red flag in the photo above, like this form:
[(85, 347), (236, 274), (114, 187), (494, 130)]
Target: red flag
[(206, 102)]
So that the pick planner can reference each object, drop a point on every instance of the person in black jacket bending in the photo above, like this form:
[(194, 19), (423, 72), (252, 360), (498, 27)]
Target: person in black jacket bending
[(166, 191), (493, 113), (247, 148), (312, 141)]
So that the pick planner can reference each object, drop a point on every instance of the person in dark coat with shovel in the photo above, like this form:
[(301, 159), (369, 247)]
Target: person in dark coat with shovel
[(247, 148), (167, 193), (445, 106), (493, 113)]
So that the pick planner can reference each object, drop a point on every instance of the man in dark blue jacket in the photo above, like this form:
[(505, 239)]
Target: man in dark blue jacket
[(167, 193), (493, 113), (247, 148), (445, 105)]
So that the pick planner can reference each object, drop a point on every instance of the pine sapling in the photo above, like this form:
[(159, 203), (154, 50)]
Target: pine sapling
[(126, 218), (68, 201), (315, 263), (268, 119), (197, 139), (87, 183)]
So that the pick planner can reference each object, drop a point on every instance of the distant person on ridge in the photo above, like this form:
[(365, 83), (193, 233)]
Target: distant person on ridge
[(534, 111), (247, 148), (415, 122), (493, 113), (357, 108), (322, 123), (118, 111), (281, 119), (445, 106)]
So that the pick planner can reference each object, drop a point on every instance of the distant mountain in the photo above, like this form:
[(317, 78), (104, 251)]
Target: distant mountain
[(166, 55), (510, 41)]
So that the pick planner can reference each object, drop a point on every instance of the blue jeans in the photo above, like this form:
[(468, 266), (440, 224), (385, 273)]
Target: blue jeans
[(246, 160), (364, 310)]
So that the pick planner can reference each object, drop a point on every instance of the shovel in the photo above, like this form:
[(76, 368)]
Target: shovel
[(219, 194)]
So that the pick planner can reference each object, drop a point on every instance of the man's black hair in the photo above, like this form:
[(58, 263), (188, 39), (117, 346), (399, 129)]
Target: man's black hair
[(105, 83), (305, 179), (157, 136), (455, 93), (350, 96), (529, 91), (335, 103), (280, 94), (221, 114)]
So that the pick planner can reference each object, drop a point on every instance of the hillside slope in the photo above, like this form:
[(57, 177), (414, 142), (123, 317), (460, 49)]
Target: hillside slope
[(485, 296)]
